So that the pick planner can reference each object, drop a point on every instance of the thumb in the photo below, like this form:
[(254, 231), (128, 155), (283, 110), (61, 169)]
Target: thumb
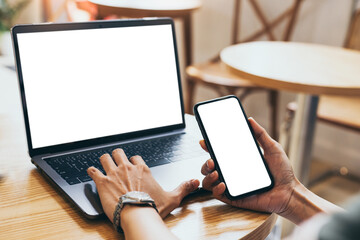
[(266, 142), (203, 145), (186, 188)]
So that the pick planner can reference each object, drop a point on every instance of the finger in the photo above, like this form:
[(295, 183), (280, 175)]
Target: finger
[(266, 142), (136, 160), (95, 174), (107, 162), (219, 190), (208, 167), (203, 145), (186, 188), (120, 157), (218, 193), (210, 180)]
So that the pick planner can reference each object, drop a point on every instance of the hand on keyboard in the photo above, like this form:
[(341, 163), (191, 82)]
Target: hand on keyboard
[(123, 176)]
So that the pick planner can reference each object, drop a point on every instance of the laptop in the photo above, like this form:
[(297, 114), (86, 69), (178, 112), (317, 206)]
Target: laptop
[(89, 88)]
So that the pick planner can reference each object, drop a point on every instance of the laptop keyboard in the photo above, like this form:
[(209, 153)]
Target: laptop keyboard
[(72, 168)]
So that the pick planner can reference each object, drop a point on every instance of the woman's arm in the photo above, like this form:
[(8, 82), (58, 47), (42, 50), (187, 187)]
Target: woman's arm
[(304, 204), (143, 223)]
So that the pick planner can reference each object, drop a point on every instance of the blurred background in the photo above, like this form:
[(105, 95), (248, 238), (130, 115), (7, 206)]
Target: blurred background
[(326, 22)]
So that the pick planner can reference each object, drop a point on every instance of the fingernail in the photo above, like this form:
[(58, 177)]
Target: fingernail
[(207, 163), (194, 182), (91, 170)]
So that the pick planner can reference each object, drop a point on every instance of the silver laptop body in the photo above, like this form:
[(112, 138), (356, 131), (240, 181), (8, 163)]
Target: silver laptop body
[(88, 88)]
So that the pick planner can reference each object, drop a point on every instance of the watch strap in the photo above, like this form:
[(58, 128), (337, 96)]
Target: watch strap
[(123, 201)]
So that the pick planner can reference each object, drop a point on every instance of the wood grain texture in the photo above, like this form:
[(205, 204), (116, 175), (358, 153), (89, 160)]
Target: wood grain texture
[(339, 111), (299, 67), (31, 208), (343, 111)]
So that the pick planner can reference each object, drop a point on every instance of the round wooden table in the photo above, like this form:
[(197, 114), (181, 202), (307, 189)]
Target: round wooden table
[(178, 9), (308, 69), (30, 207)]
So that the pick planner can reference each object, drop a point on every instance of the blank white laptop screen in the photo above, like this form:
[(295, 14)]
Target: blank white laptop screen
[(85, 84)]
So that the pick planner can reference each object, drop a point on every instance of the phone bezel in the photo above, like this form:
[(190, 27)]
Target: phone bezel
[(212, 154)]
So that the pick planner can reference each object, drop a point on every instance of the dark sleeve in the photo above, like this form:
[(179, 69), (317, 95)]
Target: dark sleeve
[(344, 225)]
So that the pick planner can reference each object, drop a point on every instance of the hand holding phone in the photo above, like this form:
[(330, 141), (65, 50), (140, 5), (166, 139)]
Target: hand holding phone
[(233, 147)]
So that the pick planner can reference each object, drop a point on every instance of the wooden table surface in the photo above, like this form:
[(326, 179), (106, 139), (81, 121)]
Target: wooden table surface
[(298, 67), (30, 208)]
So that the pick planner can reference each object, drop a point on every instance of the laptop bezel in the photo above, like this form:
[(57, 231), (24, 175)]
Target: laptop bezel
[(29, 28)]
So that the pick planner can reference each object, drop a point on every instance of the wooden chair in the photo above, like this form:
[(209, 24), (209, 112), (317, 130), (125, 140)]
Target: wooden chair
[(343, 112), (214, 75)]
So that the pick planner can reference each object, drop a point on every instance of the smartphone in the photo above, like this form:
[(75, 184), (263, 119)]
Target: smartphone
[(231, 143)]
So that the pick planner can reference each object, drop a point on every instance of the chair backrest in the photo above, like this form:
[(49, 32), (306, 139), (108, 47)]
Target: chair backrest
[(267, 26), (353, 35), (53, 11)]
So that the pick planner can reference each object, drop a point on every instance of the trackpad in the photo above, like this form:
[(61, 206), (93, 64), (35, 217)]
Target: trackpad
[(92, 195), (171, 175)]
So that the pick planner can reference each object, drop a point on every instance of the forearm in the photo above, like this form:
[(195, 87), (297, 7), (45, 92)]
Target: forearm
[(304, 204), (143, 223)]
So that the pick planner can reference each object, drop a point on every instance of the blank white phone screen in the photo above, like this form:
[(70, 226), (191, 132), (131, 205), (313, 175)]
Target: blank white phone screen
[(234, 147), (91, 83)]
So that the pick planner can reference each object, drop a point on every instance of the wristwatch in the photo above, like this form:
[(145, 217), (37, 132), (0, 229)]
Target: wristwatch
[(133, 198)]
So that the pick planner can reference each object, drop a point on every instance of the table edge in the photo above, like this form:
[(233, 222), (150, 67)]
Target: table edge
[(129, 8), (293, 87), (263, 230)]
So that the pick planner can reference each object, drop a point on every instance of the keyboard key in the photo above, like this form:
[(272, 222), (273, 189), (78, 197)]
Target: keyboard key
[(158, 162), (72, 181), (85, 178)]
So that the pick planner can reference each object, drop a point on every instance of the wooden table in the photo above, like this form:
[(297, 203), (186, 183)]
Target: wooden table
[(177, 9), (31, 208), (308, 69)]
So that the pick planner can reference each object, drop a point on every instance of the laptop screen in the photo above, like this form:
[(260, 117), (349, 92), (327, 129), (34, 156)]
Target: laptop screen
[(91, 83)]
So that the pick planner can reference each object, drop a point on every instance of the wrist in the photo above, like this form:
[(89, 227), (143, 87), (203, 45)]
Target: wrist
[(131, 213), (131, 198), (302, 204)]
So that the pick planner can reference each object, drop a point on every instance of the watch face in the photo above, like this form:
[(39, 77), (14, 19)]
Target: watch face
[(138, 195)]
